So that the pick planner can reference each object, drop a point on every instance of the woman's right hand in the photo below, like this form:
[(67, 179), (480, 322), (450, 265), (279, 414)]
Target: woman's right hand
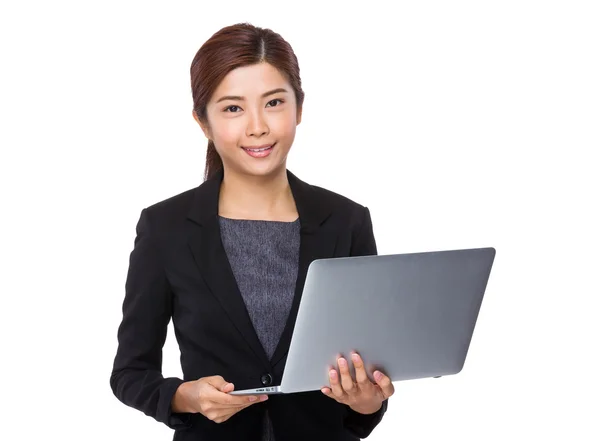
[(210, 397)]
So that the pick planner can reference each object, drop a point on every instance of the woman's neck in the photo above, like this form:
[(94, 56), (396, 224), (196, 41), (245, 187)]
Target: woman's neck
[(257, 197)]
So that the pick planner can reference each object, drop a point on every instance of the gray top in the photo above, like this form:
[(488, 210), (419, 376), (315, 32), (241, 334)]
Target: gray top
[(264, 259)]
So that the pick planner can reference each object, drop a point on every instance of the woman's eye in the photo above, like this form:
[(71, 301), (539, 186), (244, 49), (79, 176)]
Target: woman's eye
[(228, 109), (272, 101)]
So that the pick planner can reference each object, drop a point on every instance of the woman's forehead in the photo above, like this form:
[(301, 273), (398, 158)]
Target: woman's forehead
[(251, 81)]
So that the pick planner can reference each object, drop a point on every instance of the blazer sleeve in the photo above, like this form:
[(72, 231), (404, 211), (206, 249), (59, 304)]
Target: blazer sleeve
[(364, 245), (136, 378)]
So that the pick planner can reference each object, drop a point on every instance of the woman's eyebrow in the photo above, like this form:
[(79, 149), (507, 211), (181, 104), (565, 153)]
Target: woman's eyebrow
[(241, 98)]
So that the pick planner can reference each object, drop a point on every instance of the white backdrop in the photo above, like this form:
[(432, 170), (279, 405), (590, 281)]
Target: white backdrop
[(459, 124)]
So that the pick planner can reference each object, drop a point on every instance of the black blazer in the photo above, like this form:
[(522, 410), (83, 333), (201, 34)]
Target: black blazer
[(179, 270)]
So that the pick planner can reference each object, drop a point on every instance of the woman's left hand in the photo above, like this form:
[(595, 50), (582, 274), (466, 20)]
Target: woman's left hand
[(363, 396)]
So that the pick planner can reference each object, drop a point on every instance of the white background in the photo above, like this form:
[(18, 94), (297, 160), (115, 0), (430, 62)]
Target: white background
[(459, 124)]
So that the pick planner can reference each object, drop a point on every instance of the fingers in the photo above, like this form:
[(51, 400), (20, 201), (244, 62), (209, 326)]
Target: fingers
[(219, 395), (219, 383), (224, 414), (247, 401), (346, 378), (361, 374), (232, 400), (219, 407), (216, 380), (344, 383), (227, 387), (335, 384), (384, 382), (227, 400), (215, 402)]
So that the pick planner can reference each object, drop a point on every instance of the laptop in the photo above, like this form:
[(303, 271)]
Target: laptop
[(409, 315)]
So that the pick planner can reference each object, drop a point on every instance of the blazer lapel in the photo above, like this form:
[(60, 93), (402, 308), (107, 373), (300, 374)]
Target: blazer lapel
[(210, 256), (316, 242)]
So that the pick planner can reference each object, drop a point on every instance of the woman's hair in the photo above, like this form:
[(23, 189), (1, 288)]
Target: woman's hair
[(236, 46)]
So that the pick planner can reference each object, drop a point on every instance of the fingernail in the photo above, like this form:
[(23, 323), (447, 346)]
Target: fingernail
[(355, 357), (378, 375), (332, 373), (342, 362), (264, 397), (252, 398)]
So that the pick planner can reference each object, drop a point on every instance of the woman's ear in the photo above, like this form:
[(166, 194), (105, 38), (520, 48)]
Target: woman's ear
[(204, 128)]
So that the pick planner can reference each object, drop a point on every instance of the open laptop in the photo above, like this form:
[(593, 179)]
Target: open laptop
[(409, 315)]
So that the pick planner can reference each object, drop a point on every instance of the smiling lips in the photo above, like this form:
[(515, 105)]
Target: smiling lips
[(259, 151), (258, 147)]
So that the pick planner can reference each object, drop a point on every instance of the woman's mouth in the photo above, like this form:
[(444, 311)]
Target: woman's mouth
[(259, 152)]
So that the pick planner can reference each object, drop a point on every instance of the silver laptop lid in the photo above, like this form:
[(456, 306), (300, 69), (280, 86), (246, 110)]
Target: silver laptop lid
[(410, 315)]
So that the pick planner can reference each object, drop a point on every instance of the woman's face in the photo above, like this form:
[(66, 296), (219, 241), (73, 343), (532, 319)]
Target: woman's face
[(253, 107)]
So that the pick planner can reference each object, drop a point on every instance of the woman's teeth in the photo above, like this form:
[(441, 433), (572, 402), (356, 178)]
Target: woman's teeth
[(259, 153)]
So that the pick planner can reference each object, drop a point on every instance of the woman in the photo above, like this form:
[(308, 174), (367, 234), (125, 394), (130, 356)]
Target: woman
[(227, 261)]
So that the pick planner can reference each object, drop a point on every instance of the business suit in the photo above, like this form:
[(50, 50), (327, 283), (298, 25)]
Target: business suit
[(179, 269)]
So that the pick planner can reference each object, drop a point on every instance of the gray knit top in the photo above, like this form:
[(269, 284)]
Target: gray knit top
[(264, 259)]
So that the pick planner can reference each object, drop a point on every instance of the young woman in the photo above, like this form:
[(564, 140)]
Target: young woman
[(227, 261)]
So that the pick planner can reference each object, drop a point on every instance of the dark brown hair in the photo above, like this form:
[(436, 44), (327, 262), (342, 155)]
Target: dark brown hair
[(236, 46)]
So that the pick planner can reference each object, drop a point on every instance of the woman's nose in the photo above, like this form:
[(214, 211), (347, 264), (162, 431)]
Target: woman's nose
[(257, 125)]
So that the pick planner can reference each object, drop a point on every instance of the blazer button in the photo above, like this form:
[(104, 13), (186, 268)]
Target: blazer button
[(266, 380)]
